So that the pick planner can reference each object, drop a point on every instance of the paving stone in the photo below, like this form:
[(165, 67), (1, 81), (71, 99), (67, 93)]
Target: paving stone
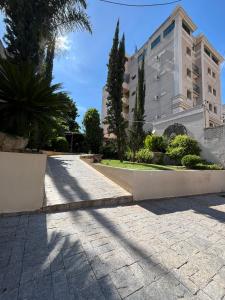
[(108, 288), (154, 250), (127, 280)]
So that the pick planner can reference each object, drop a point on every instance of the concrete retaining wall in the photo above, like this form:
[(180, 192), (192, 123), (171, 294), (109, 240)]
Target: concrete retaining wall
[(160, 184), (21, 181)]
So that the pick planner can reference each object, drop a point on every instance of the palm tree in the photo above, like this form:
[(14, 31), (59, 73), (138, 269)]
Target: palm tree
[(28, 103)]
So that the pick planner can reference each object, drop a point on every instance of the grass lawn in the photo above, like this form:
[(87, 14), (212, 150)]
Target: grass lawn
[(138, 166)]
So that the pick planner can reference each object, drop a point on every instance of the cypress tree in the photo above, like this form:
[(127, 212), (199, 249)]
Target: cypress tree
[(136, 133), (114, 87)]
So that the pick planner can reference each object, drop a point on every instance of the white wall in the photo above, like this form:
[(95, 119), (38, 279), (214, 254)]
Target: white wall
[(21, 181), (160, 184)]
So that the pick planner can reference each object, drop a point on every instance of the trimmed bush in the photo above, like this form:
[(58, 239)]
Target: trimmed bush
[(155, 143), (203, 166), (144, 156), (190, 161), (60, 144), (182, 145)]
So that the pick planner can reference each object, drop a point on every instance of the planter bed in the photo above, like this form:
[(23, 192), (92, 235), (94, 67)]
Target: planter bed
[(151, 184)]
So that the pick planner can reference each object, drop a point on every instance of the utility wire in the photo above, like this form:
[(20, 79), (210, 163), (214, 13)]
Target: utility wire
[(139, 5)]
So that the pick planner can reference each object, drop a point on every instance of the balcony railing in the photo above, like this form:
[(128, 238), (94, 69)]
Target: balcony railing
[(195, 70), (196, 89)]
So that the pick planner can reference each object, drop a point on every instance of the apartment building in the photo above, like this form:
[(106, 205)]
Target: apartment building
[(182, 72)]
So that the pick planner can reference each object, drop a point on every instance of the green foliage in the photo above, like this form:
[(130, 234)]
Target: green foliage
[(144, 155), (60, 144), (155, 143), (136, 133), (29, 105), (204, 166), (71, 116), (31, 24), (116, 68), (93, 131), (109, 149), (190, 161), (129, 155), (182, 145)]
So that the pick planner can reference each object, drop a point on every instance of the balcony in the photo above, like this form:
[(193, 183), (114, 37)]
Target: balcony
[(195, 70), (196, 89)]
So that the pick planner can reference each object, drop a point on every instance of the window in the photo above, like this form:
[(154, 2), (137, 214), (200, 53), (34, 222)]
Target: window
[(210, 106), (214, 92), (189, 94), (209, 71), (215, 110), (215, 59), (207, 51), (168, 29), (134, 92), (186, 28), (133, 77), (188, 51), (141, 57), (213, 74), (210, 89), (188, 73), (155, 42)]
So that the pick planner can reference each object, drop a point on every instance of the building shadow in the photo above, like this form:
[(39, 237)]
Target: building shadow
[(205, 205)]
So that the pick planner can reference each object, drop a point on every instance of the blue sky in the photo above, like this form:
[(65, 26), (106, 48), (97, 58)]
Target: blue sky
[(82, 66)]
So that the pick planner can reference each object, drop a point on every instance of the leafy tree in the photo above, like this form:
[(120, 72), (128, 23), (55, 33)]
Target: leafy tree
[(136, 133), (71, 116), (29, 105), (116, 68), (49, 60), (30, 25), (93, 131)]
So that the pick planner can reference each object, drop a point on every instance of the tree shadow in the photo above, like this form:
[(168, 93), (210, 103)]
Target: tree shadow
[(66, 185), (204, 204), (39, 261)]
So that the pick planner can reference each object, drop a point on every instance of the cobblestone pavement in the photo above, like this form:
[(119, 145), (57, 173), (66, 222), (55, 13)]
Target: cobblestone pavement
[(69, 179), (167, 249)]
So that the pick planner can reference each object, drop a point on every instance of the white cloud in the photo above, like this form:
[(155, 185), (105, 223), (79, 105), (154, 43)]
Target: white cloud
[(63, 43)]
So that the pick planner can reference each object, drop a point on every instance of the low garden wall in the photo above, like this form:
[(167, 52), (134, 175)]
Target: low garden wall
[(161, 184), (21, 181)]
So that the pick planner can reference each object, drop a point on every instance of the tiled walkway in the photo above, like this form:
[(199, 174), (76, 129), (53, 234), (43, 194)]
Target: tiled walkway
[(69, 179), (167, 249)]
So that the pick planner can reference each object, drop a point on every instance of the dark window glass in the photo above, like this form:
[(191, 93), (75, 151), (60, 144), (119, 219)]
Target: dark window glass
[(168, 29), (155, 42), (186, 28)]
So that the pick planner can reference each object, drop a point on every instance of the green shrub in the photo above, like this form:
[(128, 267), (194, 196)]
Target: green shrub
[(203, 166), (129, 155), (109, 150), (190, 161), (144, 156), (155, 143), (60, 144), (182, 145)]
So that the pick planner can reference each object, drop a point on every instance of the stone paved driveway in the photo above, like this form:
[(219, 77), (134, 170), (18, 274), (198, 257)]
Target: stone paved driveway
[(69, 179), (168, 249)]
